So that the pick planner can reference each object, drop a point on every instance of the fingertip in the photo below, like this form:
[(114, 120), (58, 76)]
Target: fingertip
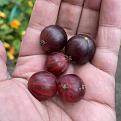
[(3, 54)]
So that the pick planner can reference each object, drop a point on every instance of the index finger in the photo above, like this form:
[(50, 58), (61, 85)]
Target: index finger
[(44, 13)]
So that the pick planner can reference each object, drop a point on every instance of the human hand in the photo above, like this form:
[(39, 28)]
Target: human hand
[(76, 16)]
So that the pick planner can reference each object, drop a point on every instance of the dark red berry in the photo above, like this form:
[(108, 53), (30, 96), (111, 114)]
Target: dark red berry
[(71, 88), (57, 63), (43, 85), (81, 48), (53, 38)]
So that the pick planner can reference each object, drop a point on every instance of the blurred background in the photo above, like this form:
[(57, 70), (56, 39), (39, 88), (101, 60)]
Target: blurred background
[(14, 18)]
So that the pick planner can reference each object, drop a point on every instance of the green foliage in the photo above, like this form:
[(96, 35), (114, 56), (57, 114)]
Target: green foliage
[(4, 2), (19, 10)]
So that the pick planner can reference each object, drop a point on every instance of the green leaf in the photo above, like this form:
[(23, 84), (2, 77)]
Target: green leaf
[(4, 26), (14, 13), (9, 37), (6, 32), (1, 21), (4, 2), (16, 44)]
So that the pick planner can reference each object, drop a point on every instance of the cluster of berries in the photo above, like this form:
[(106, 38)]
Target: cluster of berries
[(79, 49)]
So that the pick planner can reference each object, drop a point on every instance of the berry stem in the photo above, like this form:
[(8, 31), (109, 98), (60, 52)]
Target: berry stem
[(82, 87), (42, 42), (68, 58), (65, 87)]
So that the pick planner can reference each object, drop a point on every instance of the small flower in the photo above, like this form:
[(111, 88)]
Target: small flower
[(15, 24), (30, 3), (11, 53), (6, 45), (2, 14)]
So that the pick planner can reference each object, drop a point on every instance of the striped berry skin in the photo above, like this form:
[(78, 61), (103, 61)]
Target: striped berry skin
[(57, 63), (53, 38), (42, 85), (81, 48), (71, 88)]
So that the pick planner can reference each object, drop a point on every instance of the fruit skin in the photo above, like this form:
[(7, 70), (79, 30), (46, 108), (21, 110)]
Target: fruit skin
[(42, 85), (71, 88), (57, 63), (53, 38), (81, 48)]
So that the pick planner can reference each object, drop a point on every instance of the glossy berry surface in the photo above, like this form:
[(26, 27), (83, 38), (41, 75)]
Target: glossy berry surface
[(81, 48), (42, 85), (57, 63), (53, 38), (71, 88)]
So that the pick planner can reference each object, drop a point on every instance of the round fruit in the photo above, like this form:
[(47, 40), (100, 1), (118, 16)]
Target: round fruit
[(57, 63), (42, 85), (71, 88), (53, 38), (81, 48)]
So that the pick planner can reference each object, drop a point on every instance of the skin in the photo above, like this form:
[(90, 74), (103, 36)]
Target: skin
[(99, 18)]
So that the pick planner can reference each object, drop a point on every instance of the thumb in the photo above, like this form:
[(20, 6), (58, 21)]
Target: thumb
[(3, 59)]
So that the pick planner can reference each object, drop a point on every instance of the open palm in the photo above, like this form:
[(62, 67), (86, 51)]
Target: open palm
[(99, 18)]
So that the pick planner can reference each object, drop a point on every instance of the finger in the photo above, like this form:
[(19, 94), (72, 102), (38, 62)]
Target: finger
[(30, 60), (3, 58), (109, 35), (44, 13), (90, 17), (69, 15), (28, 65)]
